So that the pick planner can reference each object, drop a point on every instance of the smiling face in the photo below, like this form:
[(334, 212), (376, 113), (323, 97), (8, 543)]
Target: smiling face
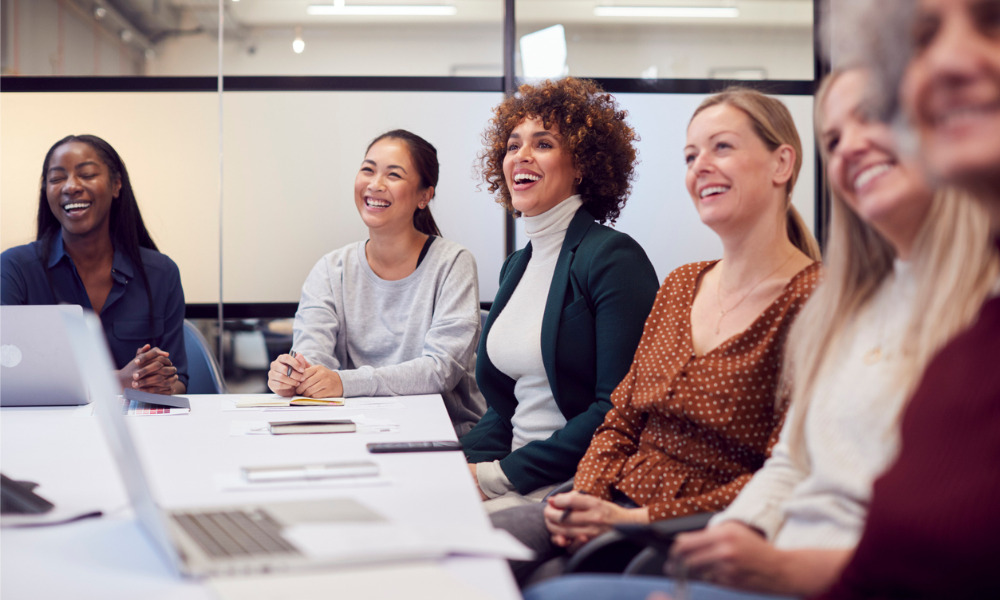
[(731, 174), (387, 189), (538, 168), (952, 89), (864, 167), (80, 190)]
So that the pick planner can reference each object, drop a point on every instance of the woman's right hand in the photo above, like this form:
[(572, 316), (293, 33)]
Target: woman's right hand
[(283, 381), (575, 518), (151, 371), (475, 479)]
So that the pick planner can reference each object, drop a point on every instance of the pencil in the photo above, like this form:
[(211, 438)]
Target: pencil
[(569, 509)]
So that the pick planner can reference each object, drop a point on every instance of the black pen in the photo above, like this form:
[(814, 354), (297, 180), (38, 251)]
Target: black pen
[(569, 509), (289, 372)]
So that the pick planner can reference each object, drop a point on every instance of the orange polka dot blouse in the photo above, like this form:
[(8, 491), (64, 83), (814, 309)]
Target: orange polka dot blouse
[(686, 432)]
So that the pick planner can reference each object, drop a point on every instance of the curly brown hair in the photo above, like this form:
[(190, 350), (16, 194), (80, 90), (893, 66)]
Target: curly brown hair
[(593, 129)]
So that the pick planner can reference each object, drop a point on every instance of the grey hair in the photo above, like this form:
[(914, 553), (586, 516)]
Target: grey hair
[(874, 35)]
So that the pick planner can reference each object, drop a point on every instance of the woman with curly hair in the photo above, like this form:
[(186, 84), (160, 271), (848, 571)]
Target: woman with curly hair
[(560, 156), (701, 406)]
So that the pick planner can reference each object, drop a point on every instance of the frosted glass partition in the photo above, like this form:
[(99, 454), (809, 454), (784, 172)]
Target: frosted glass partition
[(169, 142), (290, 163), (764, 39), (660, 215)]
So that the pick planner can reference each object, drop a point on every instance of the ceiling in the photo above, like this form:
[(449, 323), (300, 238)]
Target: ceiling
[(155, 19)]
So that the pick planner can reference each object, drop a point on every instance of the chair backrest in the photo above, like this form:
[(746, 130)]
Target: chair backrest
[(204, 376)]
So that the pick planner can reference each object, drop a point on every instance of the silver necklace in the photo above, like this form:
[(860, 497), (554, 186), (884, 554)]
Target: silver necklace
[(718, 293)]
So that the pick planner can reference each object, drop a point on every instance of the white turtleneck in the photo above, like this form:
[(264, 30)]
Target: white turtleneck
[(514, 344)]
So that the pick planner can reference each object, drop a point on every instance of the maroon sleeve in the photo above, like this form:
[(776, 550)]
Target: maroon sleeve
[(933, 530)]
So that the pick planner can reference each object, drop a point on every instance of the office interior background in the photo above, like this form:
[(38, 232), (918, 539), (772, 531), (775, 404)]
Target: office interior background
[(243, 123)]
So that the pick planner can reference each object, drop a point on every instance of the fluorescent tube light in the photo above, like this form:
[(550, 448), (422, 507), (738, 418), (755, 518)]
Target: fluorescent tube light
[(674, 12), (379, 10)]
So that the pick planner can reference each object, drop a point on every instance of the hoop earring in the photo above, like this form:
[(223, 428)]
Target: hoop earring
[(578, 180)]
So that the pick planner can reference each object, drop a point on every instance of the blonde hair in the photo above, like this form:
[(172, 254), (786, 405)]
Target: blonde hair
[(954, 268), (774, 125)]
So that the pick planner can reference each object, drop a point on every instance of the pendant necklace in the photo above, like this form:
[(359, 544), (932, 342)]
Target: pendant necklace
[(718, 293)]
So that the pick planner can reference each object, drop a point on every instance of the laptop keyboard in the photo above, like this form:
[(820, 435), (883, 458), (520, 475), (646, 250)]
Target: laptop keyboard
[(235, 533)]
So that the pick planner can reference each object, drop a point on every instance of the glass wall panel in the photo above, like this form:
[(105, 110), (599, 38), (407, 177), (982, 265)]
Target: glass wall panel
[(172, 163), (87, 37), (264, 37), (728, 39), (660, 215), (290, 163)]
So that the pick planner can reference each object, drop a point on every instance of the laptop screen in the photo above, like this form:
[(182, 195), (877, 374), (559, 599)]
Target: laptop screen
[(94, 359), (37, 366)]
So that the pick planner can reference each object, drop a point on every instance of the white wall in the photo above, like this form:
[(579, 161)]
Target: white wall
[(170, 146), (289, 165), (660, 215), (291, 159)]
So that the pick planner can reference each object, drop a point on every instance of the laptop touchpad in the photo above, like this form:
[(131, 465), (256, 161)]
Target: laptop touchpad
[(330, 510)]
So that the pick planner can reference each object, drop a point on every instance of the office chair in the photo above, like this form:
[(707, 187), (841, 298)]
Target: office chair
[(630, 549), (204, 376), (634, 549)]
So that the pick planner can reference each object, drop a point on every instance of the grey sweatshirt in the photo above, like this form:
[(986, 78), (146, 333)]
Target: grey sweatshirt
[(417, 335)]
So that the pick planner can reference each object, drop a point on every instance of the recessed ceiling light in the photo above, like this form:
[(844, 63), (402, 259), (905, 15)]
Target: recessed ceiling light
[(673, 12), (341, 8)]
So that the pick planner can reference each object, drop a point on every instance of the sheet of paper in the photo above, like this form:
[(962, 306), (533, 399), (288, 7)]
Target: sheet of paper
[(412, 581), (241, 403), (363, 542), (325, 539), (233, 481), (56, 516), (481, 542), (365, 424)]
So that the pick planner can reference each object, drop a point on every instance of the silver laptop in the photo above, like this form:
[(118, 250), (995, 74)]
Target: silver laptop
[(37, 366), (220, 540)]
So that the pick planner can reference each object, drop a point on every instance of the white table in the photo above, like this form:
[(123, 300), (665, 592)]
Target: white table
[(187, 457)]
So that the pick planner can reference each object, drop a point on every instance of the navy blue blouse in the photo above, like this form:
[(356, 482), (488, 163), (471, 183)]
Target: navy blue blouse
[(125, 315)]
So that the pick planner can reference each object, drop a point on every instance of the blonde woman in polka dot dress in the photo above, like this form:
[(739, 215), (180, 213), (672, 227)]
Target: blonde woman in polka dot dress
[(699, 409), (907, 268)]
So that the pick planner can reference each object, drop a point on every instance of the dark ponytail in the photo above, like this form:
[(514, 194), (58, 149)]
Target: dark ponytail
[(424, 157)]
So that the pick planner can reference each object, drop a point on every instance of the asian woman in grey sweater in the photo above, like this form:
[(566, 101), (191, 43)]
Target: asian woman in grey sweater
[(397, 313)]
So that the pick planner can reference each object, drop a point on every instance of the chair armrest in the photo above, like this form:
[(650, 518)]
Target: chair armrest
[(609, 552), (562, 488), (662, 533), (659, 537)]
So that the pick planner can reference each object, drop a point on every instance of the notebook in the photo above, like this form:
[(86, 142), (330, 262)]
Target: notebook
[(37, 366), (226, 540)]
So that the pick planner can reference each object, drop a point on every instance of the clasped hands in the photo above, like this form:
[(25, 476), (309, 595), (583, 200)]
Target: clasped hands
[(304, 379), (730, 553), (575, 518), (150, 371)]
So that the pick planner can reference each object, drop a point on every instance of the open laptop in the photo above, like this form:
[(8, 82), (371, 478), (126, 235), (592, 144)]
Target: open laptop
[(37, 366), (221, 540)]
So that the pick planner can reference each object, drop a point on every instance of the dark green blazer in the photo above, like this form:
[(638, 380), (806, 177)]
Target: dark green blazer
[(601, 293)]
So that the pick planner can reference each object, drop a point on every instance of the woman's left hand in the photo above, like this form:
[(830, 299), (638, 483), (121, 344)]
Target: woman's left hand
[(151, 371), (588, 518), (320, 382), (731, 554)]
